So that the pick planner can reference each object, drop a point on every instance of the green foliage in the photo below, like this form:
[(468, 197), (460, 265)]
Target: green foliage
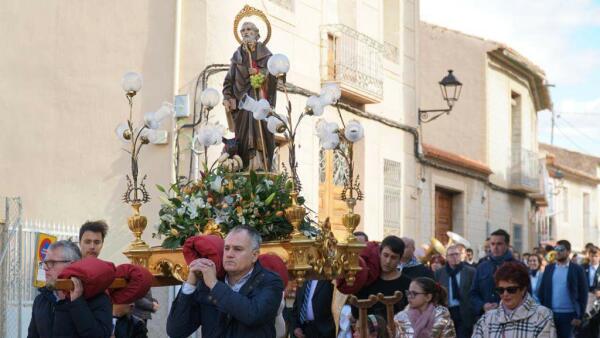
[(257, 200)]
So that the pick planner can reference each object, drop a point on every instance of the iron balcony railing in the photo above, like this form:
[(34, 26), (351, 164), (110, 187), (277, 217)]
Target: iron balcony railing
[(355, 61), (524, 171)]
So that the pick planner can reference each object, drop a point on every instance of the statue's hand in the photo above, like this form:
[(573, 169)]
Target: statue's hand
[(253, 71), (229, 105)]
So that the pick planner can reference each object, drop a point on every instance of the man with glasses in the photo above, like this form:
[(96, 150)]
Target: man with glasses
[(61, 314), (564, 290), (457, 278)]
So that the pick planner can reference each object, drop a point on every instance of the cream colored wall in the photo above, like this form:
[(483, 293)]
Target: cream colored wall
[(463, 131), (62, 99), (477, 209), (62, 105), (573, 229), (499, 87)]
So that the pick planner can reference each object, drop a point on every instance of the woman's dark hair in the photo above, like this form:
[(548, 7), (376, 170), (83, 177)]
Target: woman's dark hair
[(439, 294), (539, 257), (377, 324), (514, 272)]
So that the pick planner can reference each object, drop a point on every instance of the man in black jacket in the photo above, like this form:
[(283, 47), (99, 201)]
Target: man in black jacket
[(53, 315), (409, 264), (126, 325), (311, 315), (245, 304)]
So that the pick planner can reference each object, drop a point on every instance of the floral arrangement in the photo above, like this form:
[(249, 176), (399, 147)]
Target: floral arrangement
[(228, 200)]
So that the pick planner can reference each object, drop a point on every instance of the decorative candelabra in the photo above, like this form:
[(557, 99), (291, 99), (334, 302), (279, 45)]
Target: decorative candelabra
[(341, 141), (136, 193)]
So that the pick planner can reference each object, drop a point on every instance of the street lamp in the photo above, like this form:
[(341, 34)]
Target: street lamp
[(451, 89)]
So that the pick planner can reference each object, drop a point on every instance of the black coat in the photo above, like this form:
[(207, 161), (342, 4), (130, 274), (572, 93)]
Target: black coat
[(62, 319), (129, 326), (466, 281), (586, 272), (418, 270), (321, 305), (224, 313)]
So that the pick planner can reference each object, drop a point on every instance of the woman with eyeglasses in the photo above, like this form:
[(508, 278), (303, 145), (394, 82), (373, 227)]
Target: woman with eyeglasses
[(426, 315), (534, 262), (518, 315)]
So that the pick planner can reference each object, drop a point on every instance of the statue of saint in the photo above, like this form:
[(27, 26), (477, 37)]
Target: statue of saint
[(255, 143)]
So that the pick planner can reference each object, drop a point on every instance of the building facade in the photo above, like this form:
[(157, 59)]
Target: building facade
[(483, 169), (575, 185)]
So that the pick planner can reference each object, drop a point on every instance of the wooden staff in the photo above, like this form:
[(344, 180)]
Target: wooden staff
[(363, 305), (389, 302), (260, 129), (118, 283)]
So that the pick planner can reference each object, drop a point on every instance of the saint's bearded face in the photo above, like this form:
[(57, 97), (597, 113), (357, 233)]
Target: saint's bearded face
[(249, 33)]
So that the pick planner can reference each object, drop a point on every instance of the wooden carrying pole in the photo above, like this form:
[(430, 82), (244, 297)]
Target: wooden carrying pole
[(364, 304)]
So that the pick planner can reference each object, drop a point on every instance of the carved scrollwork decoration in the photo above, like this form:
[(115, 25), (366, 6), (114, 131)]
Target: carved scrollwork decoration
[(246, 12), (167, 268)]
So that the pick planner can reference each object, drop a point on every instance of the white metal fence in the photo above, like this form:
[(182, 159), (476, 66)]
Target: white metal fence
[(18, 245)]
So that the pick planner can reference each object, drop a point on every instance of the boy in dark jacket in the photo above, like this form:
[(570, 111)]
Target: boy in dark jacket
[(126, 325)]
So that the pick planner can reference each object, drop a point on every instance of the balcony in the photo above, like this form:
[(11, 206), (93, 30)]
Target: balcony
[(524, 171), (355, 61)]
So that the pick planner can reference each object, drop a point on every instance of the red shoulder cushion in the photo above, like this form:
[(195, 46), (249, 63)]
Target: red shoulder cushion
[(274, 263), (139, 281), (205, 246), (96, 275)]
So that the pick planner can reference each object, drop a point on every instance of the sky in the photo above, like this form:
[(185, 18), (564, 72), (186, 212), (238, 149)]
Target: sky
[(560, 36)]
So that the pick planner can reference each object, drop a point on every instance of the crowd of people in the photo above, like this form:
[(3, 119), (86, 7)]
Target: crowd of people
[(549, 292)]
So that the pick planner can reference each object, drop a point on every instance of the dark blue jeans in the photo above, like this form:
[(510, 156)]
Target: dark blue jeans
[(564, 329)]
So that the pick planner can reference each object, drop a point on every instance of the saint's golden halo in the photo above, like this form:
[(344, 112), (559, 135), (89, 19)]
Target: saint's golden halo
[(248, 11)]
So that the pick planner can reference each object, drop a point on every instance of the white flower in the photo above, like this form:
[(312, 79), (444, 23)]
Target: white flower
[(261, 109), (274, 124), (209, 135), (168, 218), (192, 212), (354, 131), (325, 128), (315, 105), (198, 203), (330, 93), (216, 184), (330, 141), (181, 210)]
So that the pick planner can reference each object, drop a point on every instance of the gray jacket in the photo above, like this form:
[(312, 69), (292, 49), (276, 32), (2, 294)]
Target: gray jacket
[(466, 281)]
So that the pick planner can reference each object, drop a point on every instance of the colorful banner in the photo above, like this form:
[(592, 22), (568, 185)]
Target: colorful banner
[(43, 241)]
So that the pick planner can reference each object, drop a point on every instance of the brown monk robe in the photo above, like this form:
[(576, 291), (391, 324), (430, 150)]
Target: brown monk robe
[(235, 86)]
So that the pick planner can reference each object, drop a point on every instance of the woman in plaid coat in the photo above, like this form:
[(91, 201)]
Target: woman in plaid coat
[(519, 315)]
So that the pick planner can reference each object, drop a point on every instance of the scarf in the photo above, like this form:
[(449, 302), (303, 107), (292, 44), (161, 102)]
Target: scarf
[(422, 323), (533, 273), (497, 261), (453, 281)]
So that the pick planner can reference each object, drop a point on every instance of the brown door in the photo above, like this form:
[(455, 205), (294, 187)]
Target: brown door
[(332, 175), (443, 214)]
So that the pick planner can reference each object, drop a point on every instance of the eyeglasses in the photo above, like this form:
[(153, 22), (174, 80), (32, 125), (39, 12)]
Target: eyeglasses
[(49, 264), (413, 294), (510, 289), (560, 248)]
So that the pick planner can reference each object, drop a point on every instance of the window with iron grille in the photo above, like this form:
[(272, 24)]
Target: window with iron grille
[(392, 197), (517, 238)]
